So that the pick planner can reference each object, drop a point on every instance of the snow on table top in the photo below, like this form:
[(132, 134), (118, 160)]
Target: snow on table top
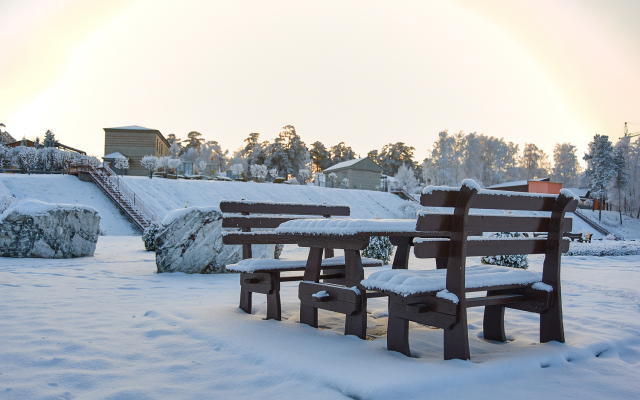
[(251, 265), (37, 207), (270, 203), (344, 226), (408, 282)]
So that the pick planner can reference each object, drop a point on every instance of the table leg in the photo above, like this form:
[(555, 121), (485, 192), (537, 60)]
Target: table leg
[(355, 323), (403, 249), (309, 315)]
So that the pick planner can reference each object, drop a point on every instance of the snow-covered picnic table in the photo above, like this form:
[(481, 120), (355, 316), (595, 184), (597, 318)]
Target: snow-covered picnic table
[(351, 235)]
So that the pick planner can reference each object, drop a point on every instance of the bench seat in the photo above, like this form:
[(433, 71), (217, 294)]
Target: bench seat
[(252, 265), (411, 282)]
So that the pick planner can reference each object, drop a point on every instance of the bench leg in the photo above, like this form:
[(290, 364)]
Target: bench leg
[(456, 339), (309, 315), (551, 325), (274, 308), (441, 262), (493, 323), (356, 323), (397, 332), (245, 301)]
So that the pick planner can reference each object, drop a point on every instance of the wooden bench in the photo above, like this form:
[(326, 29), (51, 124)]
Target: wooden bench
[(264, 275), (573, 236), (438, 297)]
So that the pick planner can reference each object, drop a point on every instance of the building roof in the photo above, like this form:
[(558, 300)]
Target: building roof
[(133, 128), (517, 183), (113, 155), (351, 163)]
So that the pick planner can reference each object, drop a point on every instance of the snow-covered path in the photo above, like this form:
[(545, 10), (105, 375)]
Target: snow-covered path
[(110, 327)]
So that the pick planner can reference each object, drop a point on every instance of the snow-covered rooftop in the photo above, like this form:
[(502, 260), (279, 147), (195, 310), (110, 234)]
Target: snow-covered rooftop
[(344, 164), (113, 155), (517, 183), (134, 128)]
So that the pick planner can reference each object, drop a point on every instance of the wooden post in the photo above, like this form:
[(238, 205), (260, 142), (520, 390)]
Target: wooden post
[(309, 315), (355, 323)]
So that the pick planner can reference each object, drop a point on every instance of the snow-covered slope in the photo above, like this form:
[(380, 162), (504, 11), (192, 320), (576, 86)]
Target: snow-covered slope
[(163, 195), (68, 190)]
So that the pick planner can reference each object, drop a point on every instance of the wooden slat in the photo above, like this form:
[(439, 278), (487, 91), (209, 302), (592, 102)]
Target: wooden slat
[(253, 222), (494, 300), (440, 247), (258, 238), (515, 201), (491, 223), (283, 208)]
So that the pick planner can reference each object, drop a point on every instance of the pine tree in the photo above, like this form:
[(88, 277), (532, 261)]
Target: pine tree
[(393, 155), (193, 141), (321, 156), (380, 248), (278, 157), (601, 167), (621, 179)]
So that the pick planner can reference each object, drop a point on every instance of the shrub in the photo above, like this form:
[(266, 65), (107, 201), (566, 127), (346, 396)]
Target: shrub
[(513, 261), (149, 237)]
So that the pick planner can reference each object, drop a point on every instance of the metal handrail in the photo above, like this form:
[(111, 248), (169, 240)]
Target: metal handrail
[(122, 194)]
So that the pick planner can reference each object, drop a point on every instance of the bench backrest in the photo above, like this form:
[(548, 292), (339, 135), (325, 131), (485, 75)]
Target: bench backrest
[(284, 211), (460, 223)]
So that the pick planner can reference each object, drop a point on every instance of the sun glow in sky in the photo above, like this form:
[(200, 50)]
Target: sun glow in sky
[(364, 72)]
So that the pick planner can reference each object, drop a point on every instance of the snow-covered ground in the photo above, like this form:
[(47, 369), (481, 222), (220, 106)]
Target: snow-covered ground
[(110, 327)]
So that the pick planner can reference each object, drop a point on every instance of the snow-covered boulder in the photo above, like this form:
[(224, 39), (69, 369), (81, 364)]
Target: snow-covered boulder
[(190, 241), (32, 228)]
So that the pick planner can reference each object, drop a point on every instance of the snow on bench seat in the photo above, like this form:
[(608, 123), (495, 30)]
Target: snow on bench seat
[(409, 282), (252, 265), (343, 226)]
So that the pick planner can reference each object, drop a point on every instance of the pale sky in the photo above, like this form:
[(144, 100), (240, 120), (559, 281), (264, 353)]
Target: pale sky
[(364, 72)]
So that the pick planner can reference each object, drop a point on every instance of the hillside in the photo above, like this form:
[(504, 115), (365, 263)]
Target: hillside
[(163, 195)]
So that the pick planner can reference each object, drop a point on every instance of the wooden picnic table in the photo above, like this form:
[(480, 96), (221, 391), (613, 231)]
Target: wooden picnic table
[(351, 235)]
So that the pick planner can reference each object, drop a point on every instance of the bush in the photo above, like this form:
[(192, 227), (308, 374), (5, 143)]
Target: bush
[(149, 237), (513, 261), (380, 248)]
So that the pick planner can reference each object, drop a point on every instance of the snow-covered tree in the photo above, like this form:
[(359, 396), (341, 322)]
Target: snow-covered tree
[(6, 201), (4, 155), (278, 157), (345, 183), (4, 136), (333, 178), (393, 156), (534, 162), (444, 167), (305, 175), (173, 164), (259, 172), (201, 166), (63, 160), (122, 163), (341, 152), (566, 167), (273, 173), (237, 170), (175, 150), (601, 167), (25, 158), (47, 158), (296, 150), (49, 139), (163, 163), (150, 163), (406, 178)]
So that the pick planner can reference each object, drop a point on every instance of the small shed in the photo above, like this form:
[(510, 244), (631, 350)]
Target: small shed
[(362, 173), (111, 159)]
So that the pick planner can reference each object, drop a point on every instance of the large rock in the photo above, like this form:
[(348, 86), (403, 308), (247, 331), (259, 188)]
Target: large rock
[(32, 228), (190, 241)]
